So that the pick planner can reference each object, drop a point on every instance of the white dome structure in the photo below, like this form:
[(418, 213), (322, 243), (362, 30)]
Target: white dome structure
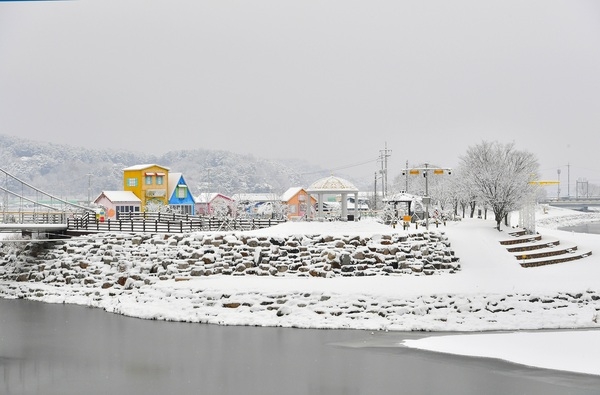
[(334, 185)]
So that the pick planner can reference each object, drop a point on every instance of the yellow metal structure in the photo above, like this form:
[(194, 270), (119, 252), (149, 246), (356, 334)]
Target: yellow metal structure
[(543, 183)]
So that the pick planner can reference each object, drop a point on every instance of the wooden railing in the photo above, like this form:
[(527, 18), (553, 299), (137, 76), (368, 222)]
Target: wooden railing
[(156, 216), (167, 223)]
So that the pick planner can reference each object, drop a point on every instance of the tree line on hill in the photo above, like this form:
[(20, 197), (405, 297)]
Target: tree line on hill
[(491, 175), (77, 173)]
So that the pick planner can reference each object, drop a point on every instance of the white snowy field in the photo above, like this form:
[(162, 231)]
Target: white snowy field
[(575, 351), (490, 278)]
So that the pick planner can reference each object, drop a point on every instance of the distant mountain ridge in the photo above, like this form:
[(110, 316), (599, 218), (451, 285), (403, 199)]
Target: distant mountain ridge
[(82, 173)]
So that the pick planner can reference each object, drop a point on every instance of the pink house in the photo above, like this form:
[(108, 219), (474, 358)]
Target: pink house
[(116, 202), (215, 204)]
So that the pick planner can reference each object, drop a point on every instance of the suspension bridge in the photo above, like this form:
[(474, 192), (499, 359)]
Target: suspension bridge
[(27, 209)]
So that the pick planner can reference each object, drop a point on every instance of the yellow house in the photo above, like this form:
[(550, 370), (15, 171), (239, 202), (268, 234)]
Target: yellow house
[(147, 182)]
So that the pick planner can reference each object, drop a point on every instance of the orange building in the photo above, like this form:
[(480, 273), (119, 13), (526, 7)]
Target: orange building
[(296, 199)]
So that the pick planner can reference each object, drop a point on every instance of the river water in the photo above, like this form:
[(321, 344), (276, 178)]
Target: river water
[(592, 227), (67, 349)]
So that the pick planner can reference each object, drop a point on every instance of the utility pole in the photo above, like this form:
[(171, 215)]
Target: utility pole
[(383, 156), (382, 180), (375, 193), (386, 168), (89, 188)]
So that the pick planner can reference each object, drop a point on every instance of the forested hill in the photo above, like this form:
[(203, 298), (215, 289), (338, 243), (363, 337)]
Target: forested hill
[(75, 172)]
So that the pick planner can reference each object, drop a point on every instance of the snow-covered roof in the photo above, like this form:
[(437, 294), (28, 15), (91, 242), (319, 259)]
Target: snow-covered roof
[(256, 197), (209, 197), (401, 197), (145, 166), (290, 193), (172, 182), (362, 205), (332, 184), (119, 196)]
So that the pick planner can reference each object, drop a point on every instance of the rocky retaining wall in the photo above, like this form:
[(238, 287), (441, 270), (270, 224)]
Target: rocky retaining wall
[(124, 274), (114, 260)]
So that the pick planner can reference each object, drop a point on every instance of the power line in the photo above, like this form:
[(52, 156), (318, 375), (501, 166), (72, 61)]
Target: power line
[(342, 167)]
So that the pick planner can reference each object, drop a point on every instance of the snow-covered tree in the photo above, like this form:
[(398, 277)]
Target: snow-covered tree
[(456, 192), (156, 206), (441, 190), (221, 209), (500, 175), (462, 193)]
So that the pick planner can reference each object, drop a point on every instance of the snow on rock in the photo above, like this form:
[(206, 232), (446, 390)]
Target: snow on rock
[(311, 275), (91, 256)]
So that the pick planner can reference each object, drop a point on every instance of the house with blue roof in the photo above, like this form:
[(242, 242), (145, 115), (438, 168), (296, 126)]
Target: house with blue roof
[(179, 195)]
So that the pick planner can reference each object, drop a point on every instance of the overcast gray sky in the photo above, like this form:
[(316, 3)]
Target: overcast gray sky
[(328, 81)]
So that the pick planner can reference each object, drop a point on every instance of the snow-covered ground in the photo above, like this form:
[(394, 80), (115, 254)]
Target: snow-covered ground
[(575, 351), (490, 292)]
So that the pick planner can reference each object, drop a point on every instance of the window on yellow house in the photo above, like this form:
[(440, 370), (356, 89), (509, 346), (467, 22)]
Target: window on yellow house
[(132, 182), (148, 180), (159, 180)]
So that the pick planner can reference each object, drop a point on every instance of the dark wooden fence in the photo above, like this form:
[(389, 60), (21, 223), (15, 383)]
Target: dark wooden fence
[(166, 223)]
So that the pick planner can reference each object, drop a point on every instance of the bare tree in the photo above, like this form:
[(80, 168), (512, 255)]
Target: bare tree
[(500, 175)]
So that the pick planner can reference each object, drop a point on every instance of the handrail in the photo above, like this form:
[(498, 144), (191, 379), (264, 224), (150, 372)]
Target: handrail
[(42, 192), (31, 217)]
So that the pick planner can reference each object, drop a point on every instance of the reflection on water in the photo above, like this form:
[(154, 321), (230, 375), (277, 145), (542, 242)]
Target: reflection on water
[(62, 349)]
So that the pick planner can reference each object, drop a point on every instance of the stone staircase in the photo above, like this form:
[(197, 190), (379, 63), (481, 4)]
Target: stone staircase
[(532, 251)]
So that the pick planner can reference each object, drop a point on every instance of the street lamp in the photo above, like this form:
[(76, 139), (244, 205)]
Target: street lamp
[(425, 171)]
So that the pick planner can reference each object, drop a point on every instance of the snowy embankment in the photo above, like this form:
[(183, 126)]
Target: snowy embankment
[(391, 280), (361, 275)]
